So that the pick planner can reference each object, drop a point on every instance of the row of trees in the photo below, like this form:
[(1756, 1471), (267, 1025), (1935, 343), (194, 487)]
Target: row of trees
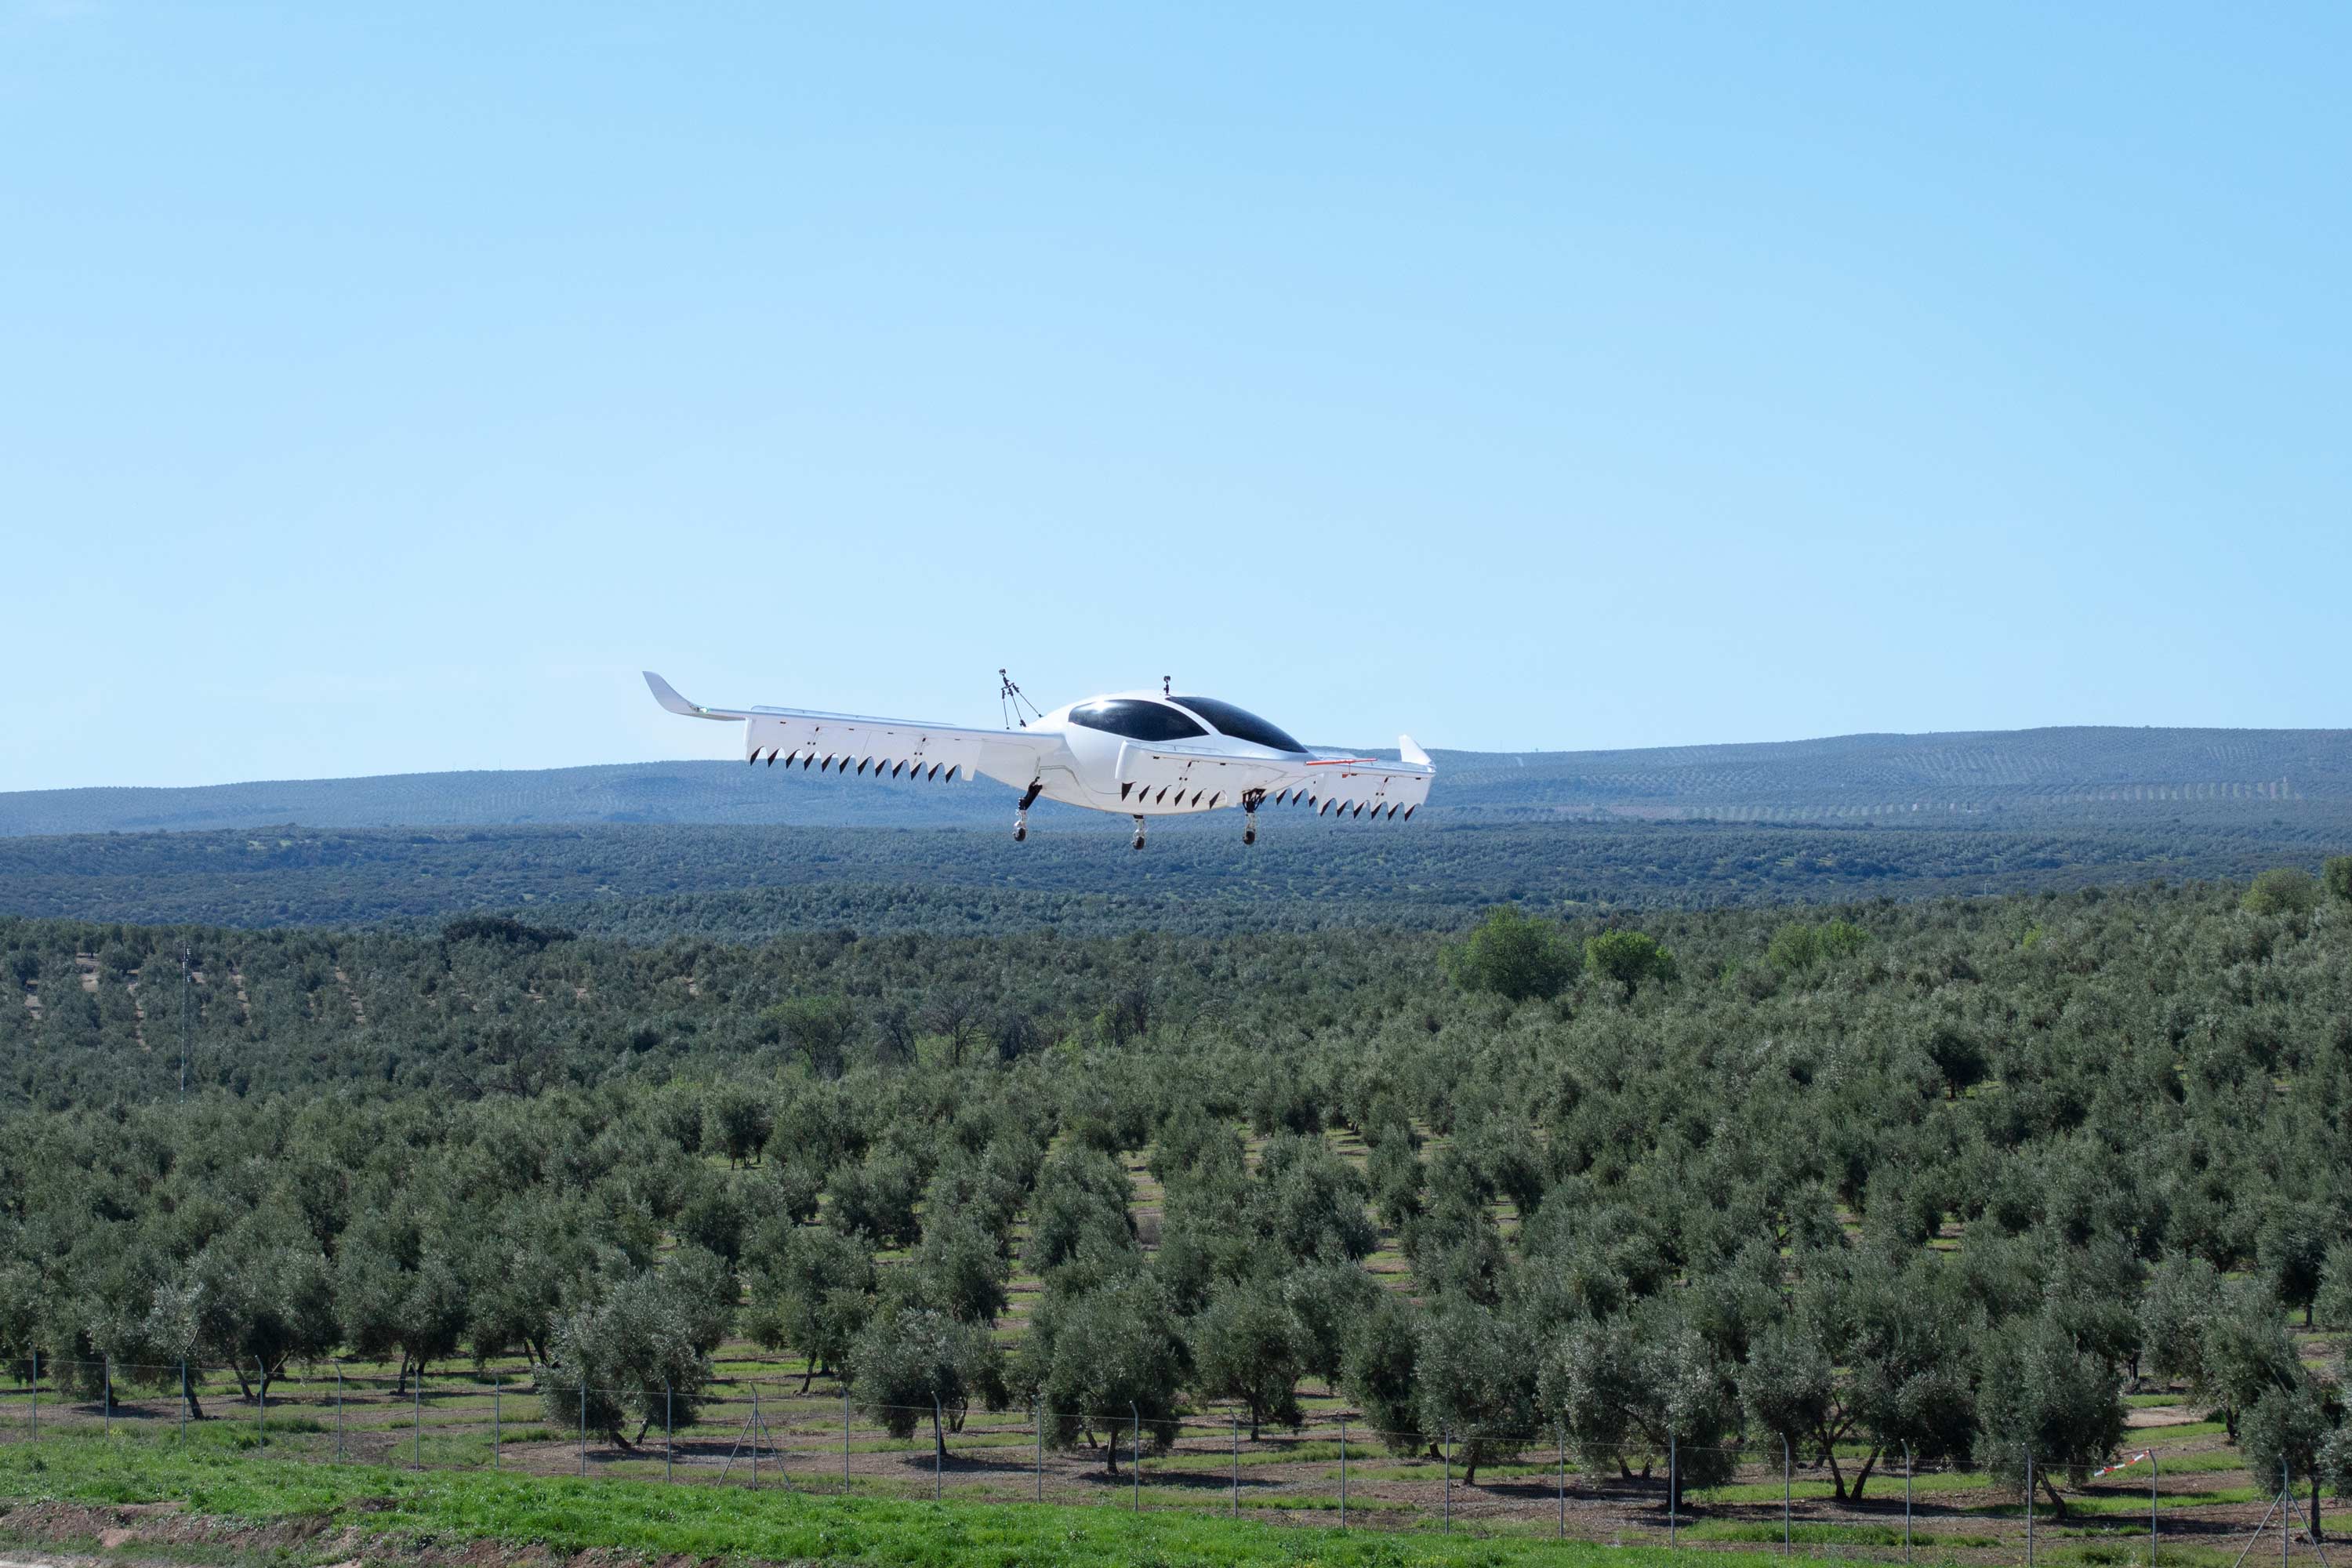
[(493, 1005), (1705, 1180), (651, 882)]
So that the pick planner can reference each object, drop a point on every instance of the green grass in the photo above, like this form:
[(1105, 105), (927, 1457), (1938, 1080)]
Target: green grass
[(1831, 1534), (2179, 1465), (570, 1515), (1432, 1470), (2132, 1552), (2167, 1498), (2163, 1436), (1881, 1487)]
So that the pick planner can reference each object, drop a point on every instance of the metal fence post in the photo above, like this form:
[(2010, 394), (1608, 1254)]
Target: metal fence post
[(845, 1436), (1037, 1412), (2154, 1472), (1562, 1532), (181, 1430), (339, 1413), (670, 1441), (261, 1400), (2286, 1508), (417, 1454), (34, 1393), (1343, 1472), (1787, 1491), (1906, 1504), (1446, 1436), (1135, 1453), (497, 1418), (939, 1446), (1237, 1465), (106, 1391), (1674, 1487), (584, 1420)]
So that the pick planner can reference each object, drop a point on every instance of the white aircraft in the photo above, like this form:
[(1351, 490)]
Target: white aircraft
[(1143, 753)]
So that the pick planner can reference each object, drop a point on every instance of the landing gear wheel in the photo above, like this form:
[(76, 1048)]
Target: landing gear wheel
[(1249, 834), (1139, 833), (1020, 817), (1251, 800)]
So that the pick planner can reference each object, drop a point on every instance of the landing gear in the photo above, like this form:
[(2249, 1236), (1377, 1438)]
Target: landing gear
[(1139, 832), (1251, 801), (1020, 817)]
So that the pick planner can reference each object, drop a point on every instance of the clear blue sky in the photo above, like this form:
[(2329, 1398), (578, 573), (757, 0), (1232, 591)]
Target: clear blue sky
[(381, 387)]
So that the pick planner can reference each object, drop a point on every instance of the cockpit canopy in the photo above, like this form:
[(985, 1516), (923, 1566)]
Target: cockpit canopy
[(1179, 719), (1239, 723), (1136, 718)]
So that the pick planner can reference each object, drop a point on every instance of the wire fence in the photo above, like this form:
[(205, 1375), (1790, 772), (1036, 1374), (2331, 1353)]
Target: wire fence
[(780, 1432)]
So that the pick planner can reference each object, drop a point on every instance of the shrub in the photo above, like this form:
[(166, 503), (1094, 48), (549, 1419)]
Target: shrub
[(1628, 958), (1513, 956), (1799, 946), (2282, 890)]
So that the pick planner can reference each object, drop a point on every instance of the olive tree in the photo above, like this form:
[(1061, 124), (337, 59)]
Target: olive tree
[(1112, 1355), (961, 1269), (2282, 889), (397, 1293), (265, 1297), (736, 1121), (1310, 1203), (2181, 1294), (1632, 1387), (1628, 960), (2297, 1434), (1476, 1370), (808, 1292), (1514, 956), (2243, 1351), (2044, 1398), (914, 1364), (1328, 1300), (634, 1354), (1791, 1389), (2332, 1302), (1380, 1372), (1250, 1347), (2291, 1250)]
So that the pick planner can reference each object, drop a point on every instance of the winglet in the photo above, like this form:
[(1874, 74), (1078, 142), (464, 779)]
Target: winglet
[(1405, 749), (666, 695)]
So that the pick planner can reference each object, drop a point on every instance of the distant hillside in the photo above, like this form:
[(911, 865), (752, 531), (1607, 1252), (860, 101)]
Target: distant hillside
[(2070, 775), (1890, 777), (743, 882)]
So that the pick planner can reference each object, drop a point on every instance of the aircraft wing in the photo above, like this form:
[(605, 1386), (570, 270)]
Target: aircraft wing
[(887, 748), (1352, 786), (1206, 775)]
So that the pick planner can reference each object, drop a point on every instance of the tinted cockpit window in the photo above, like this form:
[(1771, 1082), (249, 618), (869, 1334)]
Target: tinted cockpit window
[(1239, 723), (1136, 719)]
